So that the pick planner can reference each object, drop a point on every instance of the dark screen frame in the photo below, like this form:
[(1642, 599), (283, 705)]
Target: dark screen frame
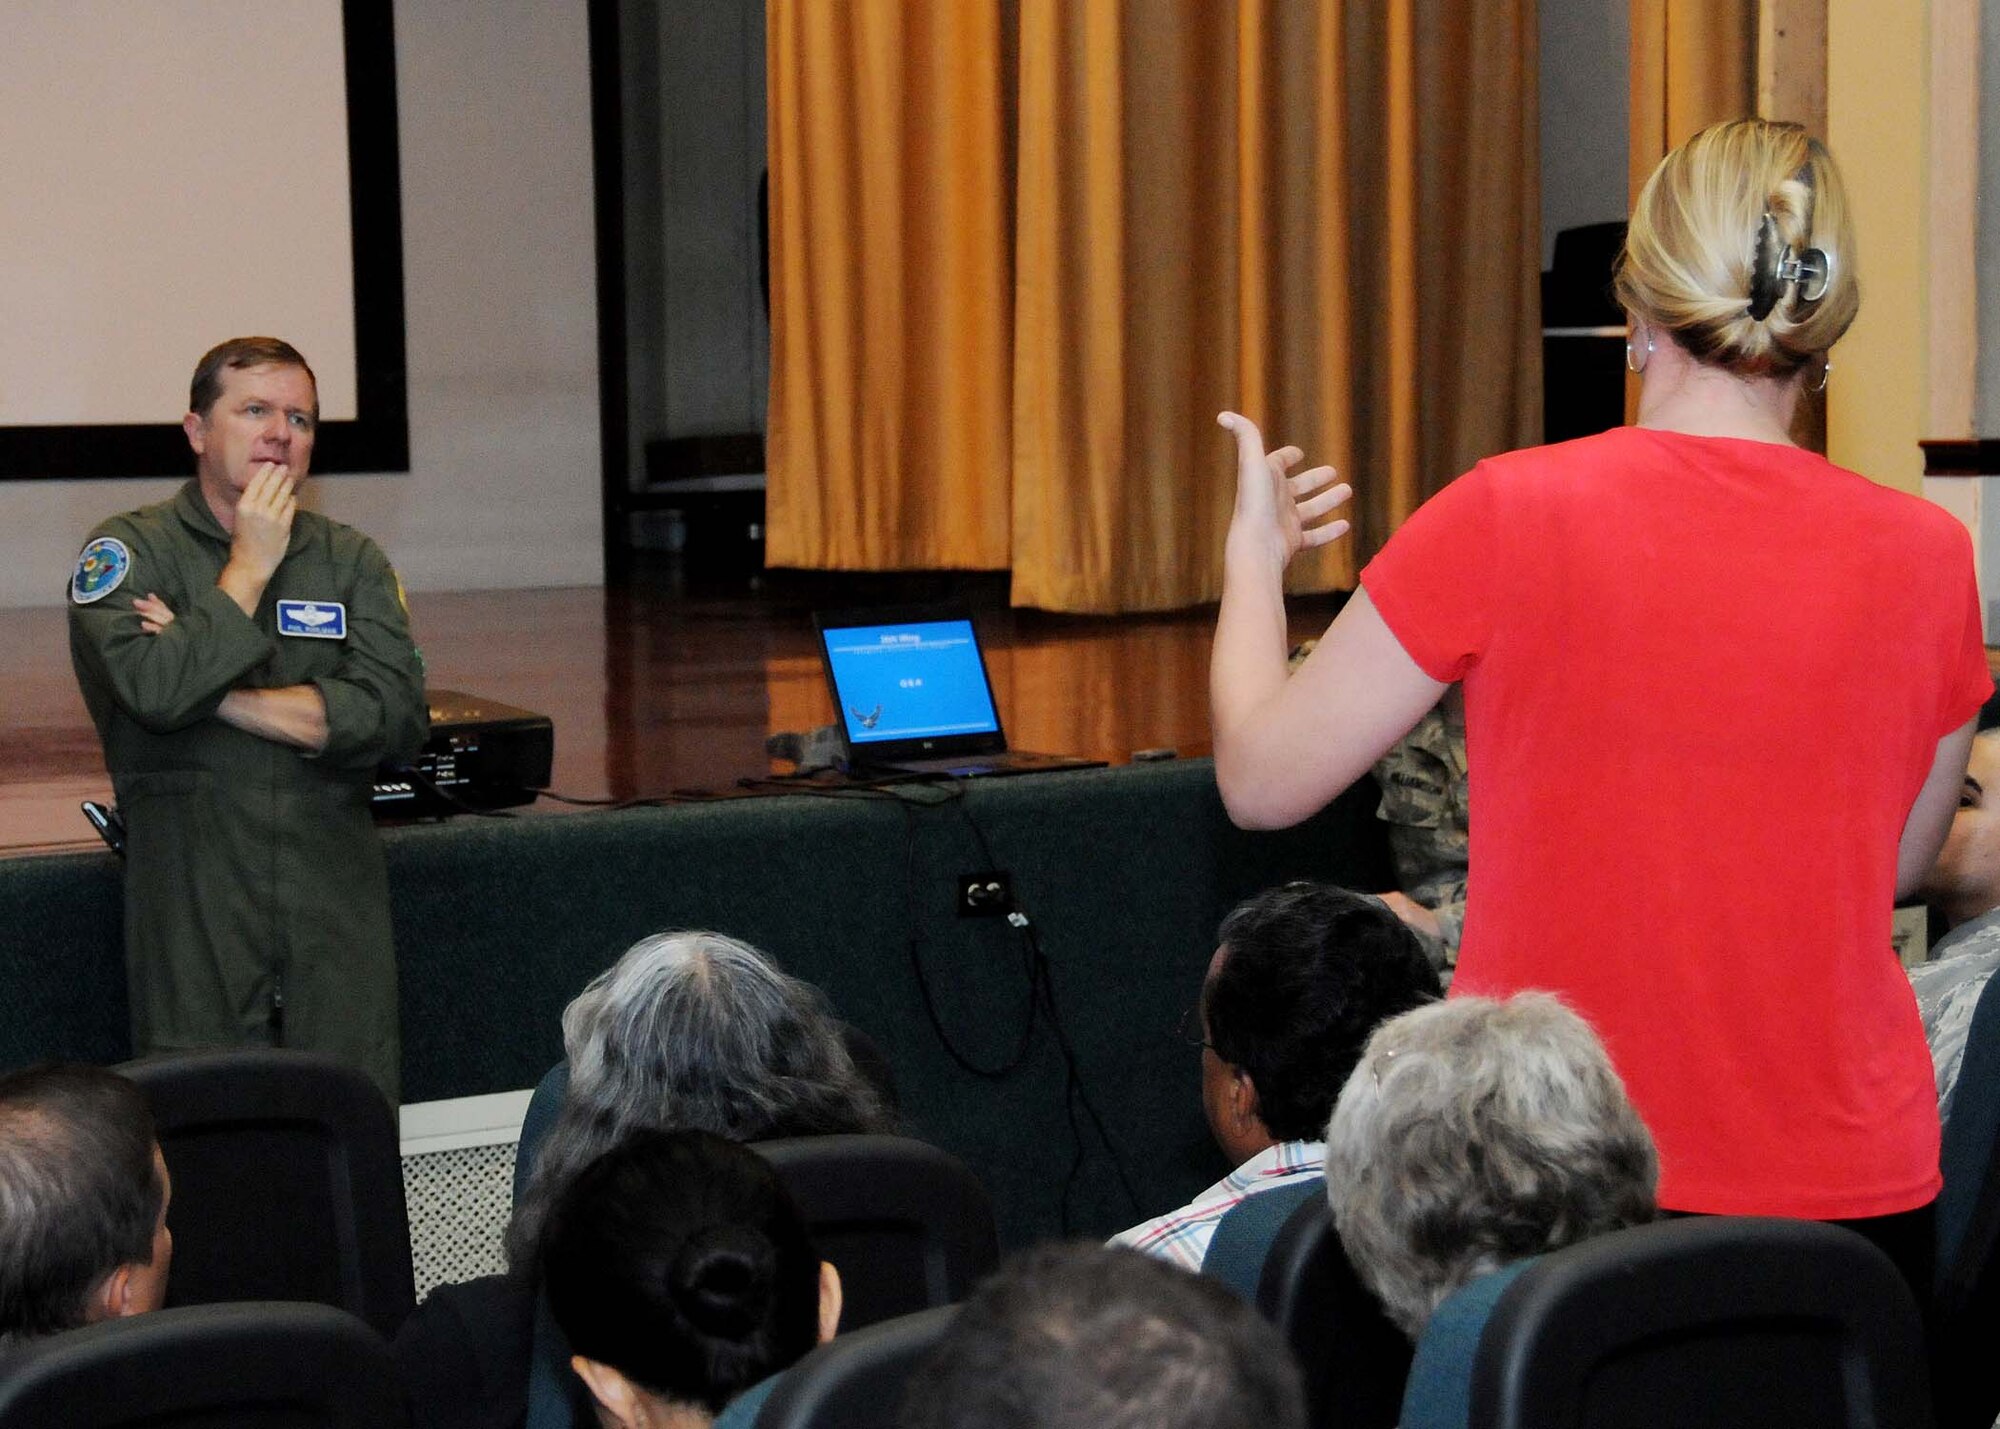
[(882, 751), (378, 437)]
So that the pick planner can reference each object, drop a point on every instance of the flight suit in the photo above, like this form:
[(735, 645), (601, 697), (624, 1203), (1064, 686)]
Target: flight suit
[(256, 897)]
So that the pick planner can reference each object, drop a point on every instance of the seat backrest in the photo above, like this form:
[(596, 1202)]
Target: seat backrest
[(242, 1366), (1705, 1322), (907, 1225), (287, 1181), (1968, 1225), (1241, 1241), (544, 1106), (1354, 1361), (855, 1380)]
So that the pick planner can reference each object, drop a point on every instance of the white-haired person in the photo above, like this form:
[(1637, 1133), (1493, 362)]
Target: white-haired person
[(688, 1030), (1475, 1135), (1718, 696)]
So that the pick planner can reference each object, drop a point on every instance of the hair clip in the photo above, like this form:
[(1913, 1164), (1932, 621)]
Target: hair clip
[(1388, 1054), (1812, 270), (1775, 264)]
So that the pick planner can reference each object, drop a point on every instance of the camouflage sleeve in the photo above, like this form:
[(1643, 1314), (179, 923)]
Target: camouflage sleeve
[(1948, 992)]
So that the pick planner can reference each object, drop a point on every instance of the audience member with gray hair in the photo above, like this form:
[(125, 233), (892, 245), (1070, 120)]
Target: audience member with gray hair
[(1475, 1133), (694, 1031), (686, 1031), (1082, 1336), (83, 1201)]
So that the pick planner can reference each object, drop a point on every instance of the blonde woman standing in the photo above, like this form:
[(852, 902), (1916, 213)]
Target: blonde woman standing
[(1718, 692)]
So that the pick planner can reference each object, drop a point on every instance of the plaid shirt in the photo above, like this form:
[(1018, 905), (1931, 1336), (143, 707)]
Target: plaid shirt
[(1182, 1236)]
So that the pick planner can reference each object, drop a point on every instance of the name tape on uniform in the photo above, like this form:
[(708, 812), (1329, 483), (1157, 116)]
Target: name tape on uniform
[(313, 619)]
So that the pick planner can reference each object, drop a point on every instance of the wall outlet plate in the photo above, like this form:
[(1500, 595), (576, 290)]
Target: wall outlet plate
[(983, 895)]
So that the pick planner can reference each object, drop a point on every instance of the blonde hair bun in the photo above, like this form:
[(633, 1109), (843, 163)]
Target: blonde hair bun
[(1741, 248)]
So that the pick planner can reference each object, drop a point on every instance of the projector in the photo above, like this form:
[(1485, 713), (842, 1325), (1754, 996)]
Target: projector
[(481, 754)]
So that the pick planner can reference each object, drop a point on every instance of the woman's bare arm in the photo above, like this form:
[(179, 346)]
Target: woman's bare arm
[(1284, 747), (1930, 815)]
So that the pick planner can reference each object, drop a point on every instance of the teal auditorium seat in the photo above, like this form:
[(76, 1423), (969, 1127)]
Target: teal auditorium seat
[(1243, 1237), (1684, 1324), (1125, 873)]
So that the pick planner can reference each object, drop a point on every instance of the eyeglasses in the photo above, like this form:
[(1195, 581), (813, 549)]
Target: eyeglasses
[(1189, 1029)]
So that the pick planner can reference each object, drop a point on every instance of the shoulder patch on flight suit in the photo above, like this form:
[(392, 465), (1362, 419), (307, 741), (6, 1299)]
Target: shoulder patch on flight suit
[(100, 569), (313, 619)]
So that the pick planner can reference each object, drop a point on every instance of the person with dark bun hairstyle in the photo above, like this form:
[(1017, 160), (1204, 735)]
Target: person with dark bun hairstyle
[(1718, 691), (682, 1275)]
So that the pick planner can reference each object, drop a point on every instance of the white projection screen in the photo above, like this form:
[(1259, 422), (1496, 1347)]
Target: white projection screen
[(182, 171)]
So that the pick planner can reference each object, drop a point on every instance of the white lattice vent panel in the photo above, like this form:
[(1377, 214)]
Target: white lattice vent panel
[(458, 1178)]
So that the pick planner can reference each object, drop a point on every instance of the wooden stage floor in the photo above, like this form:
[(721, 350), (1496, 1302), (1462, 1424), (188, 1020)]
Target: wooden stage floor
[(670, 684)]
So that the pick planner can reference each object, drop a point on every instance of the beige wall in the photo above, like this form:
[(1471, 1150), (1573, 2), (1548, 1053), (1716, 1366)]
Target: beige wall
[(1878, 116), (500, 295)]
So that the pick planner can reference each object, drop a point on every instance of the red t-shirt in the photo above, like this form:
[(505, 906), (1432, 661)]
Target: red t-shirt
[(1704, 681)]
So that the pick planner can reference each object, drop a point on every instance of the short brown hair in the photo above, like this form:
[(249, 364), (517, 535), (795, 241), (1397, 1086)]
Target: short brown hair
[(238, 353), (1692, 246)]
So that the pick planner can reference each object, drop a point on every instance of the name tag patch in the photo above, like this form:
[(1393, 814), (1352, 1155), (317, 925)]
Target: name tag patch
[(100, 569), (313, 619)]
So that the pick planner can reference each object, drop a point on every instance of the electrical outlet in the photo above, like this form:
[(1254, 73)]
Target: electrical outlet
[(983, 895)]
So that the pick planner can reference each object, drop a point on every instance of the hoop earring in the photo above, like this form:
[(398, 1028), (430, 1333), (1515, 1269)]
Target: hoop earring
[(1640, 365), (1825, 374)]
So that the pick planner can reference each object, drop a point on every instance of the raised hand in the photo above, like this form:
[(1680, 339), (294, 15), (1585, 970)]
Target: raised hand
[(264, 519), (264, 515), (1276, 509)]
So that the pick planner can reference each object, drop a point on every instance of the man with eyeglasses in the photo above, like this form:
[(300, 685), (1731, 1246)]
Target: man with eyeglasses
[(1301, 976)]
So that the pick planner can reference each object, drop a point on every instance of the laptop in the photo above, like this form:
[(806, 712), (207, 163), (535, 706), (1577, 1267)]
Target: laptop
[(911, 695)]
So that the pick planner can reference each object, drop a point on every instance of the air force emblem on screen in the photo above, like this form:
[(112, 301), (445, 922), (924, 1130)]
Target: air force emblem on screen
[(314, 619)]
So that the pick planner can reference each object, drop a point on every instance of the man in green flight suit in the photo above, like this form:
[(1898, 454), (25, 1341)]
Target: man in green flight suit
[(248, 664)]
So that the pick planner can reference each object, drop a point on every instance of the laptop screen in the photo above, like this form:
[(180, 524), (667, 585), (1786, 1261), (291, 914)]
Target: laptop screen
[(911, 680)]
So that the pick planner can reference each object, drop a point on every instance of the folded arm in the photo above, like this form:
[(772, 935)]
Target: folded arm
[(373, 704), (172, 677), (289, 714)]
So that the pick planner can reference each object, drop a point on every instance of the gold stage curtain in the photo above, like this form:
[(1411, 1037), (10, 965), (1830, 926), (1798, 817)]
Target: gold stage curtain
[(891, 309), (1323, 213), (1318, 213), (1693, 64)]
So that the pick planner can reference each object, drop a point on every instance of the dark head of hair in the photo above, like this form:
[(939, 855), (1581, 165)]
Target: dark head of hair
[(694, 1029), (1082, 1336), (678, 1259), (79, 1193), (234, 355), (1989, 715), (1311, 971)]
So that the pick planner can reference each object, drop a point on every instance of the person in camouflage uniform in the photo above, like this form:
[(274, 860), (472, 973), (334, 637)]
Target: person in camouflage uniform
[(1964, 885), (1427, 805)]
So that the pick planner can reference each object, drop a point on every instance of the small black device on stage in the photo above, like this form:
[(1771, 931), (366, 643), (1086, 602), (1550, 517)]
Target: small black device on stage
[(109, 823), (481, 754)]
